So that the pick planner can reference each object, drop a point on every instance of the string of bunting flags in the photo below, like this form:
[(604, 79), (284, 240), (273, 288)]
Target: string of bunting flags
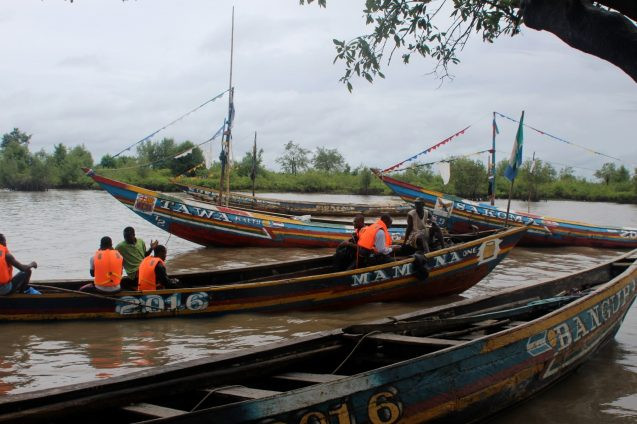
[(434, 147), (558, 138), (218, 96), (451, 159)]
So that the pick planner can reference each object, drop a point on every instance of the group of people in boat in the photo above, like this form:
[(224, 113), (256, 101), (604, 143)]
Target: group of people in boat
[(144, 272), (145, 268), (373, 245), (369, 245)]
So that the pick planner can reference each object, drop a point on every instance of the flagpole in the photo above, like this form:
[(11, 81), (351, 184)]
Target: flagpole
[(514, 162)]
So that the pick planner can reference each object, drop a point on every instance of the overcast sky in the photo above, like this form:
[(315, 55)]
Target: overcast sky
[(106, 73)]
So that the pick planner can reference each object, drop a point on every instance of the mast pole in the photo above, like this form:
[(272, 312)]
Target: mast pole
[(253, 174), (227, 135), (492, 170)]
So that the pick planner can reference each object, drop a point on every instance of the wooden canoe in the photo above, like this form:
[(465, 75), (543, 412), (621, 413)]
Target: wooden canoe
[(459, 215), (296, 207), (456, 363), (296, 285), (211, 225)]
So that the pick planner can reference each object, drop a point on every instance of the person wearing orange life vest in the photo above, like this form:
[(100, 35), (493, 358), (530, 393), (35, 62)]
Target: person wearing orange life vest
[(375, 243), (10, 283), (106, 268), (152, 272)]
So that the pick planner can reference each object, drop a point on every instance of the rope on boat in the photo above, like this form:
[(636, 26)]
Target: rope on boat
[(211, 392), (354, 350), (173, 122), (99, 296)]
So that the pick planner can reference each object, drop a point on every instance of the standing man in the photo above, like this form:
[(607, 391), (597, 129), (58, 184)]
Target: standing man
[(152, 272), (375, 243), (421, 229), (133, 250), (106, 268), (10, 283)]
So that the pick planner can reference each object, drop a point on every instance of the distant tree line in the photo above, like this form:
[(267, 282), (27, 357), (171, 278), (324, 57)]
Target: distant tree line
[(156, 164)]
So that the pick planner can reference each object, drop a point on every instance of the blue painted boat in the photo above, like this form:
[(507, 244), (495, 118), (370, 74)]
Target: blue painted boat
[(457, 363), (459, 215), (211, 225)]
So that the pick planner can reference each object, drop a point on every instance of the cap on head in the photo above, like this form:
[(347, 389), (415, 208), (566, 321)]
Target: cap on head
[(106, 243), (419, 201)]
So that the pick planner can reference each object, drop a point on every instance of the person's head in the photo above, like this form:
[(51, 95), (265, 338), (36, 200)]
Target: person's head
[(359, 221), (129, 234), (3, 241), (160, 252), (420, 205), (106, 243), (386, 219)]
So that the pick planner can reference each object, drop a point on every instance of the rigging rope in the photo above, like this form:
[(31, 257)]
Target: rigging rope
[(560, 139), (219, 132), (173, 122)]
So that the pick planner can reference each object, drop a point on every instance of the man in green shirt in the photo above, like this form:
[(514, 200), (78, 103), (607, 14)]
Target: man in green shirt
[(133, 250)]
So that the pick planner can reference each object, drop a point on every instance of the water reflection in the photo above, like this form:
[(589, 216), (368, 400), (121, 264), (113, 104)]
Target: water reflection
[(42, 355)]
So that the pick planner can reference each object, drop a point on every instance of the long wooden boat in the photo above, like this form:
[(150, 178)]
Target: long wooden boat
[(295, 207), (457, 363), (459, 215), (296, 285), (211, 225)]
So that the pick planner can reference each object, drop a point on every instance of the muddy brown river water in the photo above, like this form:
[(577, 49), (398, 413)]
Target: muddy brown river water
[(61, 230)]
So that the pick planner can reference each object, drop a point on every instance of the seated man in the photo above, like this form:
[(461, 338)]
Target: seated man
[(421, 229), (375, 243), (346, 251), (10, 283), (106, 269), (152, 272), (133, 250)]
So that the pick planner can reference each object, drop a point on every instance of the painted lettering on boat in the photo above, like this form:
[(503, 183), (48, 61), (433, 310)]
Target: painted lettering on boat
[(155, 303), (563, 335), (493, 213), (384, 407), (207, 213), (379, 275)]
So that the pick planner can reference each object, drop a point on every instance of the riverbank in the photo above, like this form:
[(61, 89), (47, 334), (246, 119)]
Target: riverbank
[(362, 182)]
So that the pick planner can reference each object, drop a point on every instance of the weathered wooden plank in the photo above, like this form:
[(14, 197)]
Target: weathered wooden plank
[(306, 377), (245, 392), (410, 340), (153, 411)]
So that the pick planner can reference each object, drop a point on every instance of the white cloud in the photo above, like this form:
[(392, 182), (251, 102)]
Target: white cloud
[(108, 73)]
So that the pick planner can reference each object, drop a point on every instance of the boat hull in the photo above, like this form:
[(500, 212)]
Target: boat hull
[(221, 226), (296, 207), (531, 337), (451, 271), (459, 215)]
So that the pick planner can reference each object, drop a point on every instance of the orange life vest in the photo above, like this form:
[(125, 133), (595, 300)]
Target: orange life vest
[(6, 270), (108, 268), (146, 274), (367, 235)]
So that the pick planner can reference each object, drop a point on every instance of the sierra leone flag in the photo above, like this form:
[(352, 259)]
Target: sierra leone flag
[(515, 161)]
